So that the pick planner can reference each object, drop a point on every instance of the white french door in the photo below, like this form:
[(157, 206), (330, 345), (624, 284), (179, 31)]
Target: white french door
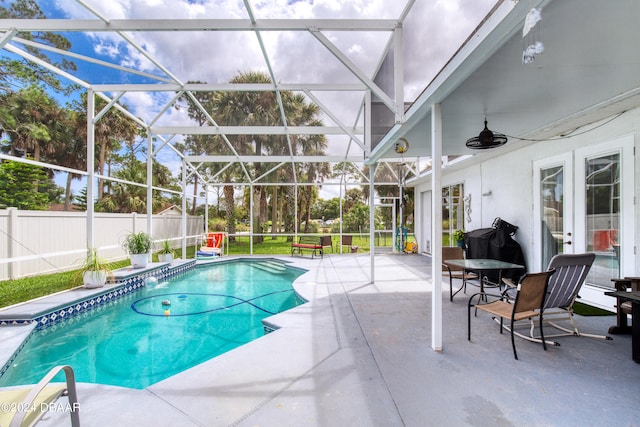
[(584, 203), (553, 207)]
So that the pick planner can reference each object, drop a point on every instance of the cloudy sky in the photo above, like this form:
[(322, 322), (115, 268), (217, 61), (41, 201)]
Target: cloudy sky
[(433, 31)]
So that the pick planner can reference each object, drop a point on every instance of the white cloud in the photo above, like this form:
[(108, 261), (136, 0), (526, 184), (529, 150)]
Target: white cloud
[(434, 30)]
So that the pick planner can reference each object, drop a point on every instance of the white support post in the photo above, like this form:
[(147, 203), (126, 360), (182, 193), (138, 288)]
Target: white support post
[(206, 208), (150, 155), (295, 211), (436, 227), (252, 218), (91, 155), (184, 211), (341, 197), (394, 230), (372, 168), (398, 74), (12, 242), (372, 221)]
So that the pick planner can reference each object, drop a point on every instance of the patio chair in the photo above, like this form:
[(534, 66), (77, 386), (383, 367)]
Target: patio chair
[(25, 406), (326, 241), (564, 286), (529, 300), (211, 245), (455, 252), (347, 240)]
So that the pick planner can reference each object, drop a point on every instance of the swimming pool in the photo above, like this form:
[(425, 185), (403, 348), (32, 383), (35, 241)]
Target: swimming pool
[(162, 329)]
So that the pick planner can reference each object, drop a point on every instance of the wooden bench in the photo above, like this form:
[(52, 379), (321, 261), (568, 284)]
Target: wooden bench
[(311, 243)]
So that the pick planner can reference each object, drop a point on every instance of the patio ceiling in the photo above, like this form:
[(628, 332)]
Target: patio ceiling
[(589, 71)]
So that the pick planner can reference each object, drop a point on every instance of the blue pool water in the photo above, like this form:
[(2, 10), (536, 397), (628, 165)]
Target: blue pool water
[(161, 329)]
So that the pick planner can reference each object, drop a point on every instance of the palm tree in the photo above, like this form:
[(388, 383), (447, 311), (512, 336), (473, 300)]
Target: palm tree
[(33, 120), (73, 154), (311, 145), (301, 113), (37, 127), (133, 198), (261, 108), (22, 72), (249, 109), (110, 131), (197, 144)]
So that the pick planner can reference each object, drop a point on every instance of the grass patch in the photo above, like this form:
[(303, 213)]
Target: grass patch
[(28, 288), (279, 245), (588, 310)]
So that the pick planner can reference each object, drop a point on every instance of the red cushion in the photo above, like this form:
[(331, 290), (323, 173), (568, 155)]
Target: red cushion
[(306, 246)]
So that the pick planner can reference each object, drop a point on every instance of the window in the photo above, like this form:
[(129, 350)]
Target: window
[(452, 212), (602, 208)]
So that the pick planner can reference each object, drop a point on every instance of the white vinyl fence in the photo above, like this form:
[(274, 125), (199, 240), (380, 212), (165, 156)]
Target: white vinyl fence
[(39, 242)]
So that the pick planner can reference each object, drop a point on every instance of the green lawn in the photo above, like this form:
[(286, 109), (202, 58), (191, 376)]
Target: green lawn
[(20, 290), (280, 246), (15, 291)]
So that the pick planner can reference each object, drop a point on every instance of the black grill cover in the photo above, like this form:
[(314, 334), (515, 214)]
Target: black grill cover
[(496, 243)]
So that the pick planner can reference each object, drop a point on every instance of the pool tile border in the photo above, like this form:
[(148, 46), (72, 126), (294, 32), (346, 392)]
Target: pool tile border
[(128, 283), (125, 286)]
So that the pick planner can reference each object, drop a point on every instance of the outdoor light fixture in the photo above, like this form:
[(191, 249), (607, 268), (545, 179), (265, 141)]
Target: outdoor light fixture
[(401, 146), (486, 139)]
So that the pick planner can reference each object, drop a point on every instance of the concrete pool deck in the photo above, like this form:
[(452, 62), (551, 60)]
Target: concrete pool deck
[(358, 354)]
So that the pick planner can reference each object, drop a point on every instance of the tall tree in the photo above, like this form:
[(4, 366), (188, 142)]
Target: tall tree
[(72, 154), (18, 72), (312, 145), (34, 122), (246, 108), (385, 174), (198, 144), (301, 113), (133, 198), (111, 131), (19, 186), (347, 172)]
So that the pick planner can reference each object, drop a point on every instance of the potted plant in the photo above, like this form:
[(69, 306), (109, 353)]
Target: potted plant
[(458, 237), (165, 254), (94, 270), (138, 245)]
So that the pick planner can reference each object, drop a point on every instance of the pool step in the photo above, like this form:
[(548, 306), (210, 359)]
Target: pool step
[(270, 266)]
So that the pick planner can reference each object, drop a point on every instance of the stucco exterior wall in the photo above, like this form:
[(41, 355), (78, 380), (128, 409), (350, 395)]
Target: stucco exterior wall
[(500, 182)]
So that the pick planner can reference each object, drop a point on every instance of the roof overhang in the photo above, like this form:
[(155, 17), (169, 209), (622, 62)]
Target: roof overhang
[(582, 77)]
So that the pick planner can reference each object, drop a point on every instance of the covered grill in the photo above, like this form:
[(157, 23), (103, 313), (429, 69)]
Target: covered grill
[(496, 243)]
